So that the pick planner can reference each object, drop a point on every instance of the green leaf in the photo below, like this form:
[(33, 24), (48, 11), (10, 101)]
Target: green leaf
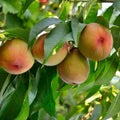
[(40, 26), (89, 83), (77, 28), (97, 111), (116, 36), (55, 85), (85, 86), (48, 102), (33, 12), (114, 107), (18, 33), (101, 20), (44, 96), (105, 104), (9, 90), (33, 88), (26, 5), (9, 6), (117, 21), (63, 11), (76, 112), (108, 13), (110, 67), (5, 85), (13, 21), (116, 4), (12, 104), (34, 116), (3, 76), (43, 115), (55, 37), (94, 89), (91, 17), (80, 13), (24, 112)]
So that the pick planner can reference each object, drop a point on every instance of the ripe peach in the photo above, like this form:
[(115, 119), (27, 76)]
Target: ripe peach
[(56, 58), (95, 42), (75, 68), (15, 57)]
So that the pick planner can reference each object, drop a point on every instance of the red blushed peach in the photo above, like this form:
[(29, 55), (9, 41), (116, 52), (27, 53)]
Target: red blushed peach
[(15, 57), (55, 58), (95, 42), (75, 68)]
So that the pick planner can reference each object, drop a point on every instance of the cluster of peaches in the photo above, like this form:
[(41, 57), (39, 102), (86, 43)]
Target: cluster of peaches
[(95, 43)]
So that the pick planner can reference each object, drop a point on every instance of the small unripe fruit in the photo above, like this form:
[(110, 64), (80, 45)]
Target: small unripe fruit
[(95, 42), (56, 58), (75, 68), (15, 57)]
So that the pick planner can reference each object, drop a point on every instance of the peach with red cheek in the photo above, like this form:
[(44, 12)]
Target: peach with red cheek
[(95, 42), (55, 58), (15, 57)]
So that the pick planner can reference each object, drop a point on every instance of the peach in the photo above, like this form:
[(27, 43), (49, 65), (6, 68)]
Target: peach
[(15, 57), (95, 42), (55, 58), (75, 68)]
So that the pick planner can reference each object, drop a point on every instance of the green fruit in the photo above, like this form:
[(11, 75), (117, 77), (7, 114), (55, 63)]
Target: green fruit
[(75, 68), (95, 42), (15, 57)]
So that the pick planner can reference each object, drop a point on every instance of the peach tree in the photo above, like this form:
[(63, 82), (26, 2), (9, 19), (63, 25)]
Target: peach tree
[(59, 59)]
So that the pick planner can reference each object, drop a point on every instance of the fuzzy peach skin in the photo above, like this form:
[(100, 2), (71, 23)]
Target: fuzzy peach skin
[(74, 69), (15, 57), (95, 42), (55, 58)]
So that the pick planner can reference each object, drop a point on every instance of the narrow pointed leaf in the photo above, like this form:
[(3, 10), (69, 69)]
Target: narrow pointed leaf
[(40, 26)]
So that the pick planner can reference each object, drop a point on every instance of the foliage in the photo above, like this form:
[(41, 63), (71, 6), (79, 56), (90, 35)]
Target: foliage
[(39, 94)]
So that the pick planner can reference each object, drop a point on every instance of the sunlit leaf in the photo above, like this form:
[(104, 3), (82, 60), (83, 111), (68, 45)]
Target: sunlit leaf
[(108, 13), (91, 17), (64, 10), (24, 112)]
